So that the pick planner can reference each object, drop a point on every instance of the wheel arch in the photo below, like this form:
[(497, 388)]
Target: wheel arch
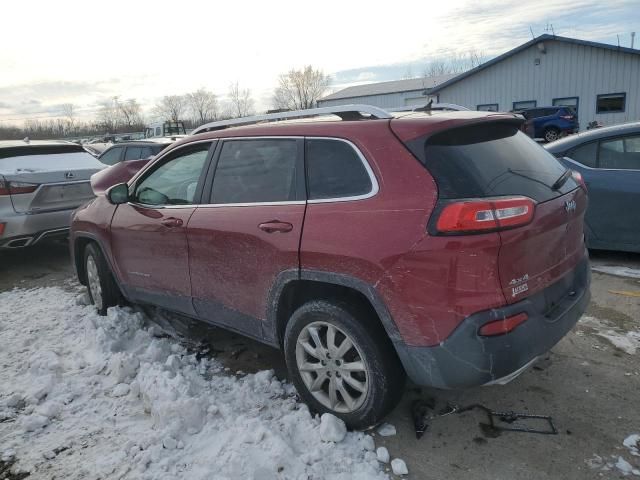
[(80, 242), (293, 289)]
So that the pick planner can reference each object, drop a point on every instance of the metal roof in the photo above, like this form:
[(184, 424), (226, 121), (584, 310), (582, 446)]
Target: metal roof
[(524, 46), (394, 86)]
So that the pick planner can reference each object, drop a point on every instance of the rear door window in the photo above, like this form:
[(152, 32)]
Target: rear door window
[(489, 160), (585, 154), (334, 170), (132, 153), (620, 153), (112, 156), (255, 171)]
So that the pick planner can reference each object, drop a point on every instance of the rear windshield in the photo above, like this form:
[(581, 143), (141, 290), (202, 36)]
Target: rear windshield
[(25, 150), (489, 160)]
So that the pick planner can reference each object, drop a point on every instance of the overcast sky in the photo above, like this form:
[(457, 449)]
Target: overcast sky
[(82, 52)]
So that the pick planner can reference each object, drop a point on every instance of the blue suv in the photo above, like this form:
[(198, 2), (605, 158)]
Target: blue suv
[(550, 123)]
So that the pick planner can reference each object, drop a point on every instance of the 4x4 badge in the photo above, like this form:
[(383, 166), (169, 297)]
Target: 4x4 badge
[(570, 205)]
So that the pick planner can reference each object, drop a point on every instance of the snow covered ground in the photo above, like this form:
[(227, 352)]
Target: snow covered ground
[(87, 397)]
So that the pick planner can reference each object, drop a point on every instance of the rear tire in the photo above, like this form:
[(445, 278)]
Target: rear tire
[(551, 134), (102, 289), (353, 374)]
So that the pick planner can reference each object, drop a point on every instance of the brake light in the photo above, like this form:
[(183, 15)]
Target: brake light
[(16, 188), (484, 215), (500, 327), (577, 176)]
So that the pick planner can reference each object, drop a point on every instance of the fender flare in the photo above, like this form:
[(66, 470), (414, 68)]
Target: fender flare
[(368, 291)]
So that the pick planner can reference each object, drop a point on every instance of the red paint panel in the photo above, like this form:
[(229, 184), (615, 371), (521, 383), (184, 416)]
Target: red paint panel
[(233, 261), (150, 252), (536, 256)]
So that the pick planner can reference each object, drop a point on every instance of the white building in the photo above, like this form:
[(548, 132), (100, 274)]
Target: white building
[(397, 93), (601, 81)]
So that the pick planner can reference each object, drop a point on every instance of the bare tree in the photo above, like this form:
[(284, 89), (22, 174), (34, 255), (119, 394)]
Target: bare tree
[(203, 105), (130, 113), (109, 115), (454, 62), (171, 107), (69, 114), (300, 89), (241, 101)]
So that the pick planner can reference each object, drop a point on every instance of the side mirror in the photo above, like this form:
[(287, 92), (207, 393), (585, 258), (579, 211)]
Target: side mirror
[(118, 194)]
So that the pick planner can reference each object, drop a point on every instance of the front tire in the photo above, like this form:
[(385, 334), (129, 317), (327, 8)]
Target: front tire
[(341, 365), (103, 291)]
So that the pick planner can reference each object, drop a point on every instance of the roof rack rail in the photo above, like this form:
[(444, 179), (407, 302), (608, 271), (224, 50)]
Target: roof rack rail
[(429, 106), (345, 112)]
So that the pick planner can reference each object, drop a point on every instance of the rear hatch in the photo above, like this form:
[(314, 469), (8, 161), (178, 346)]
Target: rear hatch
[(46, 178), (494, 160)]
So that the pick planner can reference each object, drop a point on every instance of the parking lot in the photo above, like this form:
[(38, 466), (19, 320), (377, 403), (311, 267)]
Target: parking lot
[(589, 384)]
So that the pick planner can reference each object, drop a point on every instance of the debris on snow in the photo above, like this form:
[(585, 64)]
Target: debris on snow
[(398, 467), (386, 430), (632, 442), (332, 429), (383, 454), (182, 418)]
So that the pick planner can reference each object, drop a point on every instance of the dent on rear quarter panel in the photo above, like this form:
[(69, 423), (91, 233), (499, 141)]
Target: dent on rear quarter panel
[(440, 282)]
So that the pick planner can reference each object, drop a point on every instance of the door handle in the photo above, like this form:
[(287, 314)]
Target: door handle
[(172, 222), (276, 226)]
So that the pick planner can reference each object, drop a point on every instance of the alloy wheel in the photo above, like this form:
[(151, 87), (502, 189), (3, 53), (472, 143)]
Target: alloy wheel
[(332, 367), (93, 281)]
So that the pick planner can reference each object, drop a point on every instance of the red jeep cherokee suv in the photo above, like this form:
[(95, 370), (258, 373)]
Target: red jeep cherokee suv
[(446, 247)]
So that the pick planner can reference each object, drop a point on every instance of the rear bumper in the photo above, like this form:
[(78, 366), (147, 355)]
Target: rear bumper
[(466, 360), (23, 230)]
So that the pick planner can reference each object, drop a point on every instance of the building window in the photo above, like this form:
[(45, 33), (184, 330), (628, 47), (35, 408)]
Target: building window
[(611, 103), (523, 105), (487, 107), (572, 102)]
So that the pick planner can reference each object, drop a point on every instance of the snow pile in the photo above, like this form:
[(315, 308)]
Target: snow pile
[(618, 271), (619, 463), (83, 396), (628, 342)]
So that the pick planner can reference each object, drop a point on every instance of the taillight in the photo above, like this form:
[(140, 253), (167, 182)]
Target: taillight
[(577, 176), (500, 327), (468, 216), (16, 188), (2, 225)]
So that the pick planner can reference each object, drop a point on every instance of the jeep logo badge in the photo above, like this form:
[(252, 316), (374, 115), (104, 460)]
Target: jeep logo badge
[(570, 205), (69, 175)]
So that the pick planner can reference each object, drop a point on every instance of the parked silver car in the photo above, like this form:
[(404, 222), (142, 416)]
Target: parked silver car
[(41, 183)]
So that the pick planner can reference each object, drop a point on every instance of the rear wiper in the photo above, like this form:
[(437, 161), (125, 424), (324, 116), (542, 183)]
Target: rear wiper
[(562, 180)]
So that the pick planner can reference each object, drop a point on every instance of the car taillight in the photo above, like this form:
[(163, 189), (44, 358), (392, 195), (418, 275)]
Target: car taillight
[(2, 225), (577, 176), (500, 327), (16, 188), (469, 216)]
